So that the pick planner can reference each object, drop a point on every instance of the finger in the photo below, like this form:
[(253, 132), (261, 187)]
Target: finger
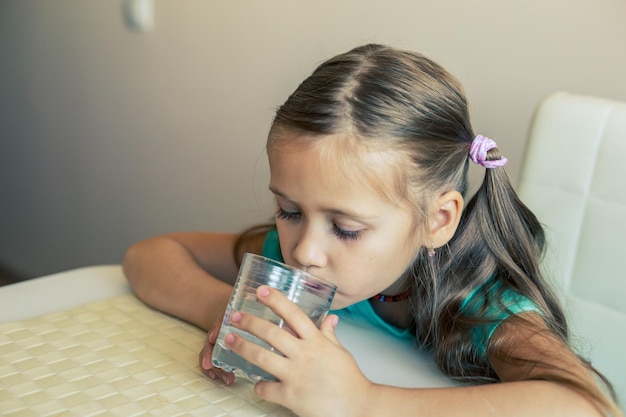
[(216, 373), (205, 356), (227, 377), (280, 338), (328, 328), (215, 330), (270, 391), (269, 361), (207, 348), (212, 371), (295, 318)]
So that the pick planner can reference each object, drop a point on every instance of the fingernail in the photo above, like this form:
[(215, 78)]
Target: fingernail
[(229, 339), (206, 362), (226, 379), (211, 374), (235, 317), (264, 291)]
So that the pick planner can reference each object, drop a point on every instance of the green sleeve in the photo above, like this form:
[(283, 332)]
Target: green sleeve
[(271, 246), (511, 303)]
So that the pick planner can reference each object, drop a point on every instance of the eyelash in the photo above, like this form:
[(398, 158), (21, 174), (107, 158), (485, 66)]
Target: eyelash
[(345, 235)]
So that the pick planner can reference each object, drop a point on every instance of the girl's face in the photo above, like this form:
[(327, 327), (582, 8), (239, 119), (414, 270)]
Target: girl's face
[(336, 224)]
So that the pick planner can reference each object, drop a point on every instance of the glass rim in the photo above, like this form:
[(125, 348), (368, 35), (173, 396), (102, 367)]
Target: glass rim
[(289, 268)]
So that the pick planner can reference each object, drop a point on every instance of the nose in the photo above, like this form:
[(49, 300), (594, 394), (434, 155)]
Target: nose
[(309, 251)]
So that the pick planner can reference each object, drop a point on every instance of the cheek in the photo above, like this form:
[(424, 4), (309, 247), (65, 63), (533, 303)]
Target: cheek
[(395, 259), (408, 240)]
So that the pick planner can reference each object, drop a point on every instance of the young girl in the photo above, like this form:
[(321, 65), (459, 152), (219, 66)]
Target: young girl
[(369, 160)]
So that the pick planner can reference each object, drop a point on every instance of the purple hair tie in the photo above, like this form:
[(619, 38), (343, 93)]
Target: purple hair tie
[(478, 152)]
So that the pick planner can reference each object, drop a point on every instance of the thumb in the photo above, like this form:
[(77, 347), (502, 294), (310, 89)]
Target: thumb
[(328, 327)]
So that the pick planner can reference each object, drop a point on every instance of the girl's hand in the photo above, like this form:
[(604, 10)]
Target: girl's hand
[(205, 356), (317, 376)]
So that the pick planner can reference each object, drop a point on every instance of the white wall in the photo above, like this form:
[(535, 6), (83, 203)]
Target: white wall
[(109, 136)]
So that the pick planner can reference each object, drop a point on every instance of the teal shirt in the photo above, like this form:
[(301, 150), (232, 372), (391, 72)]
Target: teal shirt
[(513, 302)]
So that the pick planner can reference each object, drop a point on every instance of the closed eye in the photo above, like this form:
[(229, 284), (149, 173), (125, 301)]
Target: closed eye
[(282, 214), (348, 235), (342, 234)]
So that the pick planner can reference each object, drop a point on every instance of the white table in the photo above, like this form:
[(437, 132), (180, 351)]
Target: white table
[(382, 358)]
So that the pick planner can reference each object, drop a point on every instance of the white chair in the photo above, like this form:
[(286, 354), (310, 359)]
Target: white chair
[(574, 178)]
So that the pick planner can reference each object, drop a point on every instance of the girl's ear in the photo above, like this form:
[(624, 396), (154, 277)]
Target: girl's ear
[(445, 219)]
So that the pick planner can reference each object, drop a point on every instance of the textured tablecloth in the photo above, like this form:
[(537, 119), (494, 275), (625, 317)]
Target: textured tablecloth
[(113, 358)]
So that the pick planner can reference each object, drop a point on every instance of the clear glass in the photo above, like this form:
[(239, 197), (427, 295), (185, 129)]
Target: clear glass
[(312, 294)]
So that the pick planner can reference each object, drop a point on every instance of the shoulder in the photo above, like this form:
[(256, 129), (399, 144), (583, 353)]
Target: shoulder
[(524, 347), (492, 305)]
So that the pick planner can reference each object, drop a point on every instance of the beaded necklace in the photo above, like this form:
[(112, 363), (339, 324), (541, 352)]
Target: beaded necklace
[(392, 298)]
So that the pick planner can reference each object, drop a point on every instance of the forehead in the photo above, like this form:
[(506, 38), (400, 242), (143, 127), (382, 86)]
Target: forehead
[(341, 160)]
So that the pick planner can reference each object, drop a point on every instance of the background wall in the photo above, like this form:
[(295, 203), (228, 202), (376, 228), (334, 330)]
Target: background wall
[(108, 136)]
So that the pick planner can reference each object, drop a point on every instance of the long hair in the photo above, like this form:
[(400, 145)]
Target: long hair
[(411, 105)]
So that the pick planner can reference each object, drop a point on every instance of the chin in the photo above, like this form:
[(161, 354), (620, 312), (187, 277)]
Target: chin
[(341, 302)]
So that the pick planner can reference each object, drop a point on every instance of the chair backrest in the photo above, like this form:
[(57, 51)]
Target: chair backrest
[(574, 179)]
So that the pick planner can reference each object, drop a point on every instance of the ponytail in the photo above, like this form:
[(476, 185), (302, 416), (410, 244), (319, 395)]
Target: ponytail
[(498, 248)]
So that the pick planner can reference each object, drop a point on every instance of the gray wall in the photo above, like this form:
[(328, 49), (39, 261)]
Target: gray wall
[(108, 136)]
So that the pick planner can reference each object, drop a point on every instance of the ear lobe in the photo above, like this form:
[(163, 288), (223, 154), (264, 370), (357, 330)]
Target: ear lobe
[(446, 218)]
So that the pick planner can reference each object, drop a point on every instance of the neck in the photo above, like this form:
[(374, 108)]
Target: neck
[(397, 314)]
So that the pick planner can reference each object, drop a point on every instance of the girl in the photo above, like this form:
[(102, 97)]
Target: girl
[(368, 161)]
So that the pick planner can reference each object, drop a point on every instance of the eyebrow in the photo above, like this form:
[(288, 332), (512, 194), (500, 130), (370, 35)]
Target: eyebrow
[(336, 211)]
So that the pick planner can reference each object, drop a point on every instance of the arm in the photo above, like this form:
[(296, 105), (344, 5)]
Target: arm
[(527, 388), (187, 275), (318, 377), (528, 398)]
